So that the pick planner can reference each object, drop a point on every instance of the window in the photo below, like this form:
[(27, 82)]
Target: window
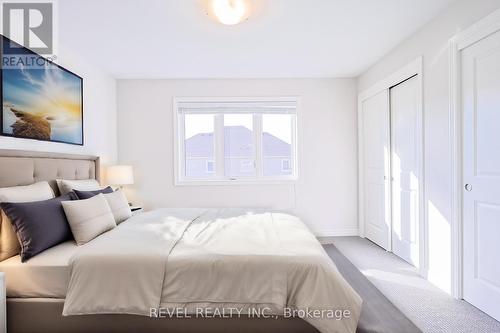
[(239, 145), (199, 145), (285, 165), (210, 167), (236, 140), (277, 144)]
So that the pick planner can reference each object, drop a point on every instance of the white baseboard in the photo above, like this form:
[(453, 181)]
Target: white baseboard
[(336, 232)]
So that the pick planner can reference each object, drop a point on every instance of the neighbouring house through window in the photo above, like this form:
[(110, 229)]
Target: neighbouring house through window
[(285, 165), (210, 167), (247, 140)]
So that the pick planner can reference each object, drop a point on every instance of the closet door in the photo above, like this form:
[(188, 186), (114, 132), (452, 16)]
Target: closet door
[(376, 147), (481, 174), (404, 170)]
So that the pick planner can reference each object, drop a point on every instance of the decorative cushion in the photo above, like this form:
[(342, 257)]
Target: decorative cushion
[(119, 206), (90, 194), (9, 244), (39, 225), (66, 185), (88, 218)]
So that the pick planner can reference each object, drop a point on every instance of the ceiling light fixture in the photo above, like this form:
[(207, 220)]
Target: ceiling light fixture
[(229, 12)]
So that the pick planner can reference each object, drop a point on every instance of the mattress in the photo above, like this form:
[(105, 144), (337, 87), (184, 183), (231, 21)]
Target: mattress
[(45, 275)]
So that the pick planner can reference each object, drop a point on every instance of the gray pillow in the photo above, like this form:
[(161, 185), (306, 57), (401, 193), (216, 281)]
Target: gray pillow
[(90, 194), (39, 225), (9, 244)]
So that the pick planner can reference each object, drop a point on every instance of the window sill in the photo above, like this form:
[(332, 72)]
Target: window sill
[(224, 182)]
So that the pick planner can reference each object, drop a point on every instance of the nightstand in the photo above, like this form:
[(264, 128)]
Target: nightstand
[(135, 210), (3, 304)]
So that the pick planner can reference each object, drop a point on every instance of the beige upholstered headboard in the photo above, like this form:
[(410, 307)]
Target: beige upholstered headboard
[(19, 167)]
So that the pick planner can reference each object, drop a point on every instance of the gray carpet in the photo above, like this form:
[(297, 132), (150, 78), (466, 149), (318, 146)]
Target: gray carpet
[(431, 309), (378, 314)]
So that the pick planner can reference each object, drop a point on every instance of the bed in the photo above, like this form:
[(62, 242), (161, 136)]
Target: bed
[(274, 266)]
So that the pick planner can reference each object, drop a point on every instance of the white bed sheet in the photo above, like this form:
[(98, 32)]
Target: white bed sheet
[(45, 275), (215, 259)]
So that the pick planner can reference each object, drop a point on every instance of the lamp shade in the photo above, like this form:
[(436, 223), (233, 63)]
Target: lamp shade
[(120, 175)]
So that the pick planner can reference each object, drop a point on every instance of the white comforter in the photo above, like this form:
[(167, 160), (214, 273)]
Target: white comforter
[(214, 259)]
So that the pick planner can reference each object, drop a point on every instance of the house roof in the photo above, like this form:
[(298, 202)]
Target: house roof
[(238, 142)]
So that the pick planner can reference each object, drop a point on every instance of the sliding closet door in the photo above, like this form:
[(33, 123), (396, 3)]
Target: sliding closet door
[(404, 169), (481, 174), (375, 122)]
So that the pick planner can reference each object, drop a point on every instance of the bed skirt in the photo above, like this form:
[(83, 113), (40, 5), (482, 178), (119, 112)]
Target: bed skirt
[(44, 315), (379, 315)]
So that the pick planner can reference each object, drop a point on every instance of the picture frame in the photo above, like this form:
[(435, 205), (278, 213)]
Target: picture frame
[(41, 100)]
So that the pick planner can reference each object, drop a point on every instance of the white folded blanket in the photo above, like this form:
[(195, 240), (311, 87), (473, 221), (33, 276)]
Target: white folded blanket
[(196, 259)]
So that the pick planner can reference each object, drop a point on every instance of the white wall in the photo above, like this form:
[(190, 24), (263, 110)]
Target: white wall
[(99, 112), (432, 43), (325, 194)]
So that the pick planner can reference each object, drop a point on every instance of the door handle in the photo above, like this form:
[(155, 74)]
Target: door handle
[(468, 187)]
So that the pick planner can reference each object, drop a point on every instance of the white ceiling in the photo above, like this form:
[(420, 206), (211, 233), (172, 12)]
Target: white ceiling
[(281, 38)]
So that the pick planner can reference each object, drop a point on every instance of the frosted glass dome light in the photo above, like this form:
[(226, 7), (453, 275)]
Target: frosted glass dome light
[(229, 12)]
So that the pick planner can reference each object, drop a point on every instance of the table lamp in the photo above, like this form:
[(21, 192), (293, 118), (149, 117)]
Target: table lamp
[(120, 175)]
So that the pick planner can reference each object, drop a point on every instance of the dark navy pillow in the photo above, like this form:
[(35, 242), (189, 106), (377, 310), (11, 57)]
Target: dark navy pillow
[(89, 194), (39, 225)]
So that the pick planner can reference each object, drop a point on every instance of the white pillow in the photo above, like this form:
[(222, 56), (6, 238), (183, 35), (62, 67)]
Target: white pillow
[(66, 185), (88, 218), (9, 244), (119, 205)]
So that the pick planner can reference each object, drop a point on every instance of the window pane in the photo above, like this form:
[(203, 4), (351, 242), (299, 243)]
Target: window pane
[(239, 147), (277, 144), (199, 145)]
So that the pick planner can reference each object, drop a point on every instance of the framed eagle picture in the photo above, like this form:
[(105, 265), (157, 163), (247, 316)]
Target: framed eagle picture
[(40, 100)]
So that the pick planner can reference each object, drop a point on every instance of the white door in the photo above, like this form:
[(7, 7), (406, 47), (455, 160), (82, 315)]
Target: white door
[(405, 170), (481, 174), (376, 146)]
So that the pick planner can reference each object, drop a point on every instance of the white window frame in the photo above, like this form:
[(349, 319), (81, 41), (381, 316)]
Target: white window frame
[(218, 177)]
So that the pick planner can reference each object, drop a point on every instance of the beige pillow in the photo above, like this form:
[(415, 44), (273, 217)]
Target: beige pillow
[(66, 185), (9, 244), (88, 218), (119, 205)]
